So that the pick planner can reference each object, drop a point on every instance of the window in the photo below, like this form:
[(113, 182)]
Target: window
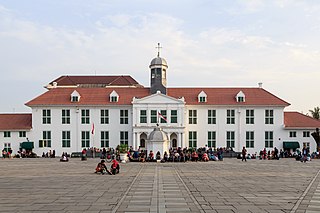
[(7, 134), (85, 116), (193, 139), (164, 115), (154, 116), (250, 139), (46, 116), (230, 116), (74, 98), (143, 116), (240, 99), (66, 138), (249, 116), (114, 99), (306, 134), (174, 116), (104, 116), (66, 116), (7, 146), (124, 116), (230, 139), (22, 134), (211, 139), (104, 139), (202, 99), (268, 139), (124, 137), (306, 144), (292, 134), (85, 139), (212, 116), (269, 116), (192, 116), (46, 139)]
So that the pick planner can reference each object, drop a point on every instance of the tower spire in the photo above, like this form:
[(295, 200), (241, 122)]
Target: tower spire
[(158, 47)]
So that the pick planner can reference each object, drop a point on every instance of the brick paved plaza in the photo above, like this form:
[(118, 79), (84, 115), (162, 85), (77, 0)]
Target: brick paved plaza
[(47, 185)]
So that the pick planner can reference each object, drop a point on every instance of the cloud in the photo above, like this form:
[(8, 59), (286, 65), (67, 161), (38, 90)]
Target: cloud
[(124, 43)]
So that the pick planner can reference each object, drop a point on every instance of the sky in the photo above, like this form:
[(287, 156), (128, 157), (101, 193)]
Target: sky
[(207, 43)]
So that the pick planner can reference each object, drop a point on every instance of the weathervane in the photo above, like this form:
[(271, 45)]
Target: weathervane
[(158, 47)]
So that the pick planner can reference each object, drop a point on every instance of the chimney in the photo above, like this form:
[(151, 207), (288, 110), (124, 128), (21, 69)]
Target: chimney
[(260, 84)]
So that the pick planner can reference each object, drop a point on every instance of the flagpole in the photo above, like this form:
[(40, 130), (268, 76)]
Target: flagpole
[(93, 148)]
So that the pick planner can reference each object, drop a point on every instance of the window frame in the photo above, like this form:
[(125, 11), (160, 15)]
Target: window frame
[(66, 139), (124, 137), (230, 139), (85, 116), (249, 139), (104, 139), (249, 116), (104, 116), (212, 116), (65, 116), (124, 116), (192, 139), (85, 139), (212, 139), (231, 116), (192, 116), (269, 116), (268, 139), (46, 116), (174, 117)]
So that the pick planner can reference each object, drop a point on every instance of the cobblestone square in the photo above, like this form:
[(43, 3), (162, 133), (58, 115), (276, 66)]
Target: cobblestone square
[(47, 185)]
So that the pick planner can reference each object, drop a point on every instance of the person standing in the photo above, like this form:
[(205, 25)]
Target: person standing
[(244, 154)]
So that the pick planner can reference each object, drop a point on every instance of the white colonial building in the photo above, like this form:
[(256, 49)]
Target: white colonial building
[(104, 111)]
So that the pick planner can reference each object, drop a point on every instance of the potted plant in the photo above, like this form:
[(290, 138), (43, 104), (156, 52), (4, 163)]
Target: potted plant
[(123, 149)]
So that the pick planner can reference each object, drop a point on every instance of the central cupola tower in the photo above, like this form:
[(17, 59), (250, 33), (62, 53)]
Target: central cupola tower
[(158, 67)]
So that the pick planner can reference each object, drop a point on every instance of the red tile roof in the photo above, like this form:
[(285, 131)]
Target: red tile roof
[(299, 120), (100, 96), (15, 122), (122, 80), (227, 96)]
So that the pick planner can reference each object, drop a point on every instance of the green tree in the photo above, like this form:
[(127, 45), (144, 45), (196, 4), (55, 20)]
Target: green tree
[(315, 113)]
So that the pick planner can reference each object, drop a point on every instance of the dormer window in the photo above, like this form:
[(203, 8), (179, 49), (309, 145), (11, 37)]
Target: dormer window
[(114, 97), (75, 96), (241, 98), (202, 97)]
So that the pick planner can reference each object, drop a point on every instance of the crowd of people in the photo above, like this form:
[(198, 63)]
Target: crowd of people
[(177, 155)]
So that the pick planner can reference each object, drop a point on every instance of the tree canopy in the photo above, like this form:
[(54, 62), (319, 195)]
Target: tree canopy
[(315, 113)]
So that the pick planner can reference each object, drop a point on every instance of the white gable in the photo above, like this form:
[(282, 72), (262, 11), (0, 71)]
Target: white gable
[(202, 97), (241, 97), (113, 97), (157, 98), (75, 96)]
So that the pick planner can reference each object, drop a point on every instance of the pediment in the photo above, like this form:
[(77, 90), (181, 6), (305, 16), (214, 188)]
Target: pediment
[(157, 98)]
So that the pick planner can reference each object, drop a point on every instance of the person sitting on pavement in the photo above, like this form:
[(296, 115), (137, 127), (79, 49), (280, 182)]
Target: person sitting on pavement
[(102, 168), (194, 156), (64, 157), (115, 167), (151, 156), (158, 155), (205, 157)]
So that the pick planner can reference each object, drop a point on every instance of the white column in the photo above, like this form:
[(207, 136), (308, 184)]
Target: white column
[(134, 140), (179, 140), (138, 141), (182, 140)]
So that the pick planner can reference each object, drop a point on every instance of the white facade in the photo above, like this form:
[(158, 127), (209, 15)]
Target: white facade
[(195, 120)]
